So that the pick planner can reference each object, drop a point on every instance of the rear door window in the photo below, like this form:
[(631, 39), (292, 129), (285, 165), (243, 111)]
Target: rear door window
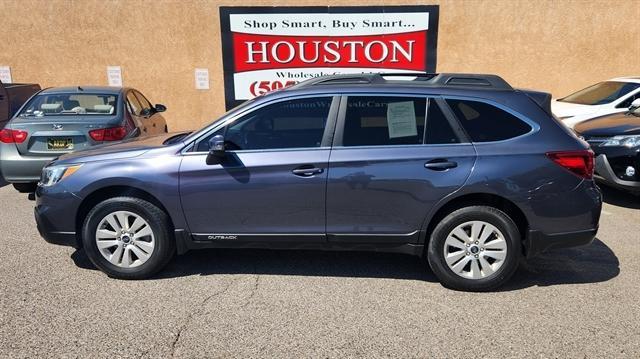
[(384, 121), (485, 123), (439, 130)]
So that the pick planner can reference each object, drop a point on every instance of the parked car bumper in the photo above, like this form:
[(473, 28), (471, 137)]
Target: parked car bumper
[(53, 205), (538, 242), (16, 168), (616, 177), (45, 227)]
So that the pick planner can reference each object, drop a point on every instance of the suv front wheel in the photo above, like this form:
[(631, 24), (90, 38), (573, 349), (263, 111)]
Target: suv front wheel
[(474, 248), (128, 238)]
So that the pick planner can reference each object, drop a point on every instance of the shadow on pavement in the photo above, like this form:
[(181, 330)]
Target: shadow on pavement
[(589, 264), (616, 197)]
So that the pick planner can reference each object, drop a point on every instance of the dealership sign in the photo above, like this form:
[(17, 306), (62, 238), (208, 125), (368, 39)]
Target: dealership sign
[(267, 48)]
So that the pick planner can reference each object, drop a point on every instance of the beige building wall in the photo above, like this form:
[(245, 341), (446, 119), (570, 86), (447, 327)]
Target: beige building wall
[(556, 46)]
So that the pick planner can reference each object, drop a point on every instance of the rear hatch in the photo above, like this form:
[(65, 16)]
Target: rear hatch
[(49, 136)]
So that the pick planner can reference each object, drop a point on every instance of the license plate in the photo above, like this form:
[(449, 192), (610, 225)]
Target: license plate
[(59, 144)]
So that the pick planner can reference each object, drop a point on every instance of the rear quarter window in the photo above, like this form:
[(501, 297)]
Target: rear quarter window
[(486, 123)]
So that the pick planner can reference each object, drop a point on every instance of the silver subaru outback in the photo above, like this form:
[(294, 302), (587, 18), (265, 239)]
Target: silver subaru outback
[(60, 120)]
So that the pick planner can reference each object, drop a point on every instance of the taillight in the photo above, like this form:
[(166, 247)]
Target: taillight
[(578, 162), (13, 136), (108, 134)]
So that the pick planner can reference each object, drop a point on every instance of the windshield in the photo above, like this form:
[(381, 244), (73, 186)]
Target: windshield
[(601, 93), (58, 104)]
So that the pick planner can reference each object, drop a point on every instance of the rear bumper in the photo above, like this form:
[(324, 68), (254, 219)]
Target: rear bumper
[(605, 174), (538, 242), (16, 168)]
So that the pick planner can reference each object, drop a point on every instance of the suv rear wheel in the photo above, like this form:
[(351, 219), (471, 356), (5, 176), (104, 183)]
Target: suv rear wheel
[(128, 238), (475, 249)]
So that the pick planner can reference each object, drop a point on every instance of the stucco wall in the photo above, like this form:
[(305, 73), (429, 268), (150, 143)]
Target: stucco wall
[(556, 46)]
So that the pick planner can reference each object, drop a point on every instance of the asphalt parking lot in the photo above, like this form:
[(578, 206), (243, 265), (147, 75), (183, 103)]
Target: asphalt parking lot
[(582, 302)]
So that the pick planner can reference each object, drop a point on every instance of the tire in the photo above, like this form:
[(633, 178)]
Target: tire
[(25, 187), (141, 254), (502, 240)]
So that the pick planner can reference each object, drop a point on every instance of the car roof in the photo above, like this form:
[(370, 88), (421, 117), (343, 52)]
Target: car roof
[(107, 90), (471, 85), (634, 79)]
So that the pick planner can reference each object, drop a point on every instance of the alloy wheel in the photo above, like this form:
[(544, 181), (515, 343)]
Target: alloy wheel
[(475, 250), (125, 239)]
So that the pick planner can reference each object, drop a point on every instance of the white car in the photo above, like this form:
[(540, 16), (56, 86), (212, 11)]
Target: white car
[(603, 98)]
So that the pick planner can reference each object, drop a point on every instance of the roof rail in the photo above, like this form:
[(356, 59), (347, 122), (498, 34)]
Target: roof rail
[(425, 79)]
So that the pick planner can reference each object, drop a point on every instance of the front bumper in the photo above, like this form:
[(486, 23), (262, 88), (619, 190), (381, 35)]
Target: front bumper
[(605, 173), (55, 215), (47, 231), (538, 242)]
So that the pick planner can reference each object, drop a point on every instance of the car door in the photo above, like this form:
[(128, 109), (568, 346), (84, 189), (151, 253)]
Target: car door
[(389, 165), (134, 107), (271, 183), (155, 119)]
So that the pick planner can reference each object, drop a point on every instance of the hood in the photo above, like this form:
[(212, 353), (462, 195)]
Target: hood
[(612, 125), (565, 109), (120, 150)]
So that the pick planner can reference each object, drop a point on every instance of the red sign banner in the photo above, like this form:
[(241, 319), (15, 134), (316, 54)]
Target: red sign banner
[(267, 48)]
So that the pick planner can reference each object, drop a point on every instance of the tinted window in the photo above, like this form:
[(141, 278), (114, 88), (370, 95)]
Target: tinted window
[(484, 122), (143, 101), (70, 104), (287, 124), (439, 129), (371, 121), (601, 93), (627, 103), (134, 105)]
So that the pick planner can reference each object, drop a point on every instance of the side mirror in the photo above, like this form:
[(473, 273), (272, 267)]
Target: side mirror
[(635, 104), (160, 107), (216, 148), (146, 112)]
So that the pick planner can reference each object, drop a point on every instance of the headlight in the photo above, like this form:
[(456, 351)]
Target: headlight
[(54, 174), (626, 141)]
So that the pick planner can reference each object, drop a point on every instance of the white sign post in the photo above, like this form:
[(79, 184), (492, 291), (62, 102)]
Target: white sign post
[(114, 76), (5, 74), (202, 79)]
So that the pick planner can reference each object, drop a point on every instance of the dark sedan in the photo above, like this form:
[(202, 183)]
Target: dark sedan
[(65, 119), (615, 139)]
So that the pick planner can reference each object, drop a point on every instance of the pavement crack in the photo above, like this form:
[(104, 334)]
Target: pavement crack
[(254, 290), (199, 308)]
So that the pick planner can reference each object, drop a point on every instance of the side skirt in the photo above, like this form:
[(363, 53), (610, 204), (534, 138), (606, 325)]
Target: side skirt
[(186, 242)]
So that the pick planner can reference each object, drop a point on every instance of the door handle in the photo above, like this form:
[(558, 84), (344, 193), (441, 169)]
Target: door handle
[(307, 171), (440, 164)]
